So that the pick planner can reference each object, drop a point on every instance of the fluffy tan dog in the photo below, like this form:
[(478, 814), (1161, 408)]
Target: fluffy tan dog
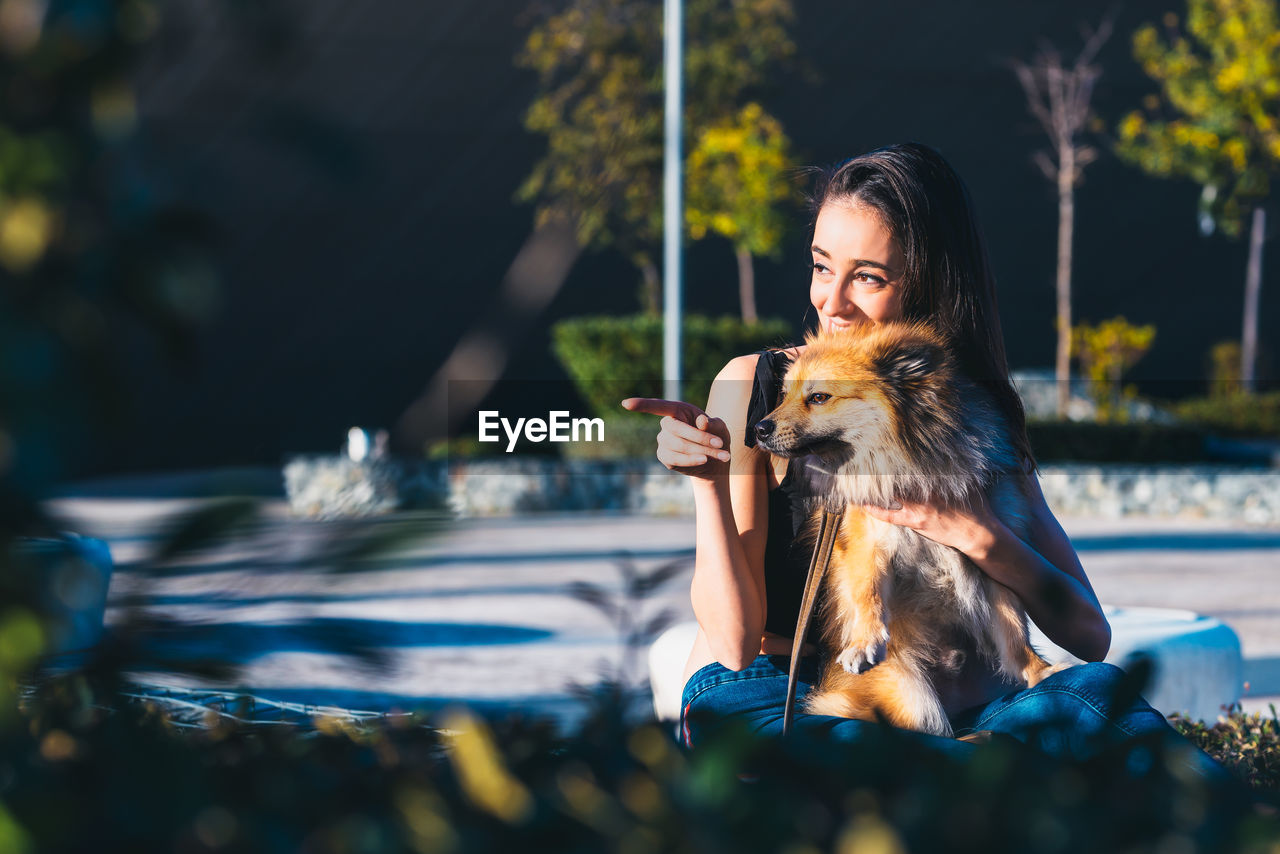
[(884, 414)]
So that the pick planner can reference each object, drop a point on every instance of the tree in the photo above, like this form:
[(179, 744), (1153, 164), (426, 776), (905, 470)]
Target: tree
[(600, 108), (736, 180), (1058, 96), (1214, 122), (599, 64)]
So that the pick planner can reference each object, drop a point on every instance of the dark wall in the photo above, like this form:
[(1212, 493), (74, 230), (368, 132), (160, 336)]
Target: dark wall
[(361, 172)]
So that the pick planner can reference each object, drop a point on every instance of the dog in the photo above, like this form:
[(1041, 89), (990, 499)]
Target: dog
[(883, 413)]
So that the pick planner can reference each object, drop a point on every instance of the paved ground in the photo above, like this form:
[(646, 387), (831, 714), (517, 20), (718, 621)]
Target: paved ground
[(484, 610)]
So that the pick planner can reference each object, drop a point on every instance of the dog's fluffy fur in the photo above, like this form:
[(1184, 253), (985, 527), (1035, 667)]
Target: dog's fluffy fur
[(883, 414)]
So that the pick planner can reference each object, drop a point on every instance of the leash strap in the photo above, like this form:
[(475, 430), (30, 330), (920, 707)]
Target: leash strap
[(817, 569)]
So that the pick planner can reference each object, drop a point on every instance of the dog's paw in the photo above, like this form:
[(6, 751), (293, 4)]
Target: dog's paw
[(862, 657)]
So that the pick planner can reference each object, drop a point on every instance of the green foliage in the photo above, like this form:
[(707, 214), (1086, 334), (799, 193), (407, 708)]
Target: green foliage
[(611, 358), (736, 176), (1106, 351), (1238, 413), (600, 108), (459, 447), (1134, 443), (1246, 744), (599, 64), (1214, 120)]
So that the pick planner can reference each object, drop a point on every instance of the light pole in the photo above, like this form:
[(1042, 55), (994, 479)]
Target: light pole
[(672, 195)]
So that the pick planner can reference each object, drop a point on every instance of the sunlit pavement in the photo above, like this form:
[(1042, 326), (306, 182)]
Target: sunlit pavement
[(482, 611)]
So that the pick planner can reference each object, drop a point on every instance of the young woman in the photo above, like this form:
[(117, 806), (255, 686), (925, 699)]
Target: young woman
[(894, 238)]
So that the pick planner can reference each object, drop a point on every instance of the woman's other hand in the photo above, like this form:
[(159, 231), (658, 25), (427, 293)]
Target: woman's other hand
[(690, 441), (970, 529)]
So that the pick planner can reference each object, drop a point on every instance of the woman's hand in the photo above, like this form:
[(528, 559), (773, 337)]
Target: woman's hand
[(970, 529), (690, 441), (1055, 593)]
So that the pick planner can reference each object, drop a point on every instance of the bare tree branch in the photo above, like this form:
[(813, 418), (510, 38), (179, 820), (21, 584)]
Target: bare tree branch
[(1095, 39), (1059, 97), (1046, 164)]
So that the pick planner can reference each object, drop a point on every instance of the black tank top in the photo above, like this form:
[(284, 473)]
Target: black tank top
[(786, 563)]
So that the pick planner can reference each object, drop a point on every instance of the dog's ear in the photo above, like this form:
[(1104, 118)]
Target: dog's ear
[(911, 362)]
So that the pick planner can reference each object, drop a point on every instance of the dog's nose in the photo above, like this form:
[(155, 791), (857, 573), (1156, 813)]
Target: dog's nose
[(764, 429)]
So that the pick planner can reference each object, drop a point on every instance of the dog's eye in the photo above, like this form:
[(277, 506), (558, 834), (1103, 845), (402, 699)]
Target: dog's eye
[(818, 398)]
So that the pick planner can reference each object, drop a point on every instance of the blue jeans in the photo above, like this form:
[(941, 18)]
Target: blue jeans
[(1067, 715)]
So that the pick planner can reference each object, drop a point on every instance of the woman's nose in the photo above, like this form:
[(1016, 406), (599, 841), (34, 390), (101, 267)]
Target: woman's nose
[(836, 303)]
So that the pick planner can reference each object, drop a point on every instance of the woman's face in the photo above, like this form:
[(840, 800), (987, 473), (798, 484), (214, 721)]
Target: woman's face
[(857, 268)]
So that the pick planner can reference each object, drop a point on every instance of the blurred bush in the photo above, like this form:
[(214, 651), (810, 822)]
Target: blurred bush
[(1106, 351), (610, 358), (1230, 409), (1237, 413), (82, 777), (462, 447), (1144, 442)]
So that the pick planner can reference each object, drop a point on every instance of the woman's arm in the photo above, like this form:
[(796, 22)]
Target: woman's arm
[(1044, 571), (731, 527), (730, 501), (1046, 574)]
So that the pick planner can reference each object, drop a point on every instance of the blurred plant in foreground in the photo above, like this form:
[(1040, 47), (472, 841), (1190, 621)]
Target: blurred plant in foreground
[(1106, 351), (470, 784), (87, 250), (636, 632), (1246, 744)]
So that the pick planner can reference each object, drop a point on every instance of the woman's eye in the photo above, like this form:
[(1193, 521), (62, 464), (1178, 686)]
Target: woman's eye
[(818, 398), (819, 267), (868, 279)]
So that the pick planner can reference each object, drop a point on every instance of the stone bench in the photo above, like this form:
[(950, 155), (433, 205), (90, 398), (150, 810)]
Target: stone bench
[(1197, 662)]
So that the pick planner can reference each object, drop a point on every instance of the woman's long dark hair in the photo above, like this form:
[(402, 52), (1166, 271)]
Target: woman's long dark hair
[(948, 279)]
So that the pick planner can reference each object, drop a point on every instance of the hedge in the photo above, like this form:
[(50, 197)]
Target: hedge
[(1086, 441)]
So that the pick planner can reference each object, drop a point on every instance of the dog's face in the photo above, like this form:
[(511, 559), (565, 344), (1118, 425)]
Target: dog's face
[(858, 397)]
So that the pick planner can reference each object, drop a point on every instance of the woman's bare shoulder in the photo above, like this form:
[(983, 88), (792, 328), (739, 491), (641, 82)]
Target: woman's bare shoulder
[(744, 367), (739, 368), (730, 395)]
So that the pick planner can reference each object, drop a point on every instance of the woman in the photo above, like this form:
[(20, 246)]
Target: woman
[(894, 238)]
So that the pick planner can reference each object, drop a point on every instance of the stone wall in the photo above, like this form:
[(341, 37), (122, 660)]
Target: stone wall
[(526, 485), (1249, 495)]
